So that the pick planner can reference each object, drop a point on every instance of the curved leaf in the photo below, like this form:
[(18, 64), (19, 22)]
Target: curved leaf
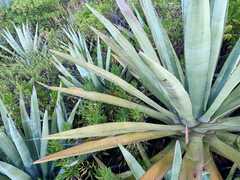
[(175, 92), (114, 79), (223, 149), (100, 97), (134, 166), (218, 18), (160, 168), (226, 71), (210, 165), (103, 144), (9, 149), (138, 30), (111, 129), (197, 45), (177, 162), (13, 172), (164, 47), (224, 93), (193, 159)]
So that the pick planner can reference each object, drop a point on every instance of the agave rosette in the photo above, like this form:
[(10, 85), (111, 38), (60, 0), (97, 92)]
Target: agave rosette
[(195, 105)]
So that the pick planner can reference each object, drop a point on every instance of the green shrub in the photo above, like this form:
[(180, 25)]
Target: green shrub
[(233, 28), (47, 13), (84, 18), (15, 77)]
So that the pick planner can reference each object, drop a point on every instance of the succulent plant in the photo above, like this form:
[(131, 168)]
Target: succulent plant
[(21, 148), (192, 104), (24, 44)]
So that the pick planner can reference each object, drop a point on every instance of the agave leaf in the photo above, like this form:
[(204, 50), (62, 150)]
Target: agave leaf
[(175, 92), (218, 18), (134, 166), (228, 124), (66, 82), (162, 153), (99, 54), (25, 118), (21, 148), (193, 159), (44, 143), (232, 172), (184, 4), (65, 72), (231, 103), (104, 98), (134, 60), (12, 42), (9, 149), (36, 40), (108, 59), (223, 149), (72, 115), (103, 144), (116, 48), (197, 45), (35, 121), (116, 80), (210, 164), (144, 155), (5, 116), (226, 71), (177, 162), (60, 116), (160, 168), (137, 29), (229, 138), (164, 47), (111, 129), (13, 172), (27, 127), (224, 93)]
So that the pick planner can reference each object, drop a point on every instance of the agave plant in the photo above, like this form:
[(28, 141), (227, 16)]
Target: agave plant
[(78, 48), (20, 149), (24, 44), (191, 102), (5, 3)]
